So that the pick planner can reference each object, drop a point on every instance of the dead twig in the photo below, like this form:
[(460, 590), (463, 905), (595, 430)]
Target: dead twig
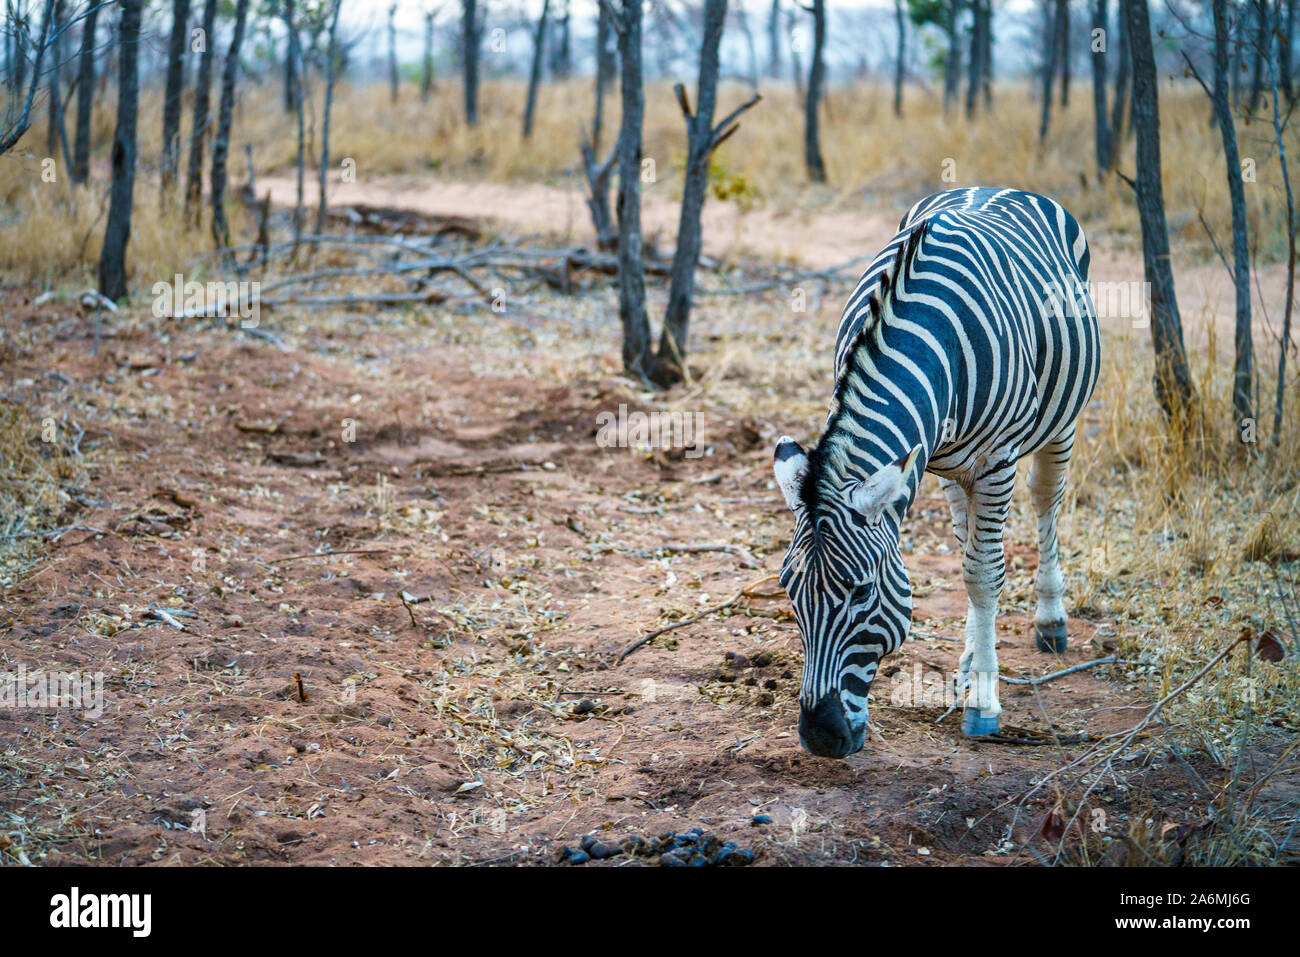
[(341, 551), (1043, 679), (747, 592)]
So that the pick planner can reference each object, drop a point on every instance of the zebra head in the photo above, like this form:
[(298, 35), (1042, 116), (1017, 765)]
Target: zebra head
[(850, 591)]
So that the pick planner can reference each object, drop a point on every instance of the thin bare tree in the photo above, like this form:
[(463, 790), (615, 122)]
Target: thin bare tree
[(117, 231), (702, 139), (1101, 115), (812, 145), (199, 130), (225, 115), (469, 53), (1279, 137), (900, 62), (1173, 380), (85, 96), (175, 85), (14, 125), (1121, 102), (535, 74), (426, 67), (331, 71), (393, 78)]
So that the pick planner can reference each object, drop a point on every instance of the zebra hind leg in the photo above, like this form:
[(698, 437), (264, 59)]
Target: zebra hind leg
[(1046, 488)]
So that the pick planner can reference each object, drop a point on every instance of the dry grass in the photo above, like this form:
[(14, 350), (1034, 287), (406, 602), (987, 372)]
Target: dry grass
[(43, 468), (874, 161)]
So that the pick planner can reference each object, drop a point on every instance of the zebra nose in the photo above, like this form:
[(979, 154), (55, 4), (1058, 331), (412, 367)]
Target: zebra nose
[(824, 729)]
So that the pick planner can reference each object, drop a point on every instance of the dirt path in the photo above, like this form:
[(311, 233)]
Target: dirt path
[(814, 238), (456, 652)]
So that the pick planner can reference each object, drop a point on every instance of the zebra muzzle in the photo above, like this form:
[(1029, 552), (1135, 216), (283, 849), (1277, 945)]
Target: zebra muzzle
[(824, 730)]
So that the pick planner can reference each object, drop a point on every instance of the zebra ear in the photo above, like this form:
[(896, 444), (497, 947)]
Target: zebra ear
[(790, 463), (872, 496)]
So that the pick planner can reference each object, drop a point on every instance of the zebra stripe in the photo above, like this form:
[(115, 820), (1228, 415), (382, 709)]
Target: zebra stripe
[(969, 342)]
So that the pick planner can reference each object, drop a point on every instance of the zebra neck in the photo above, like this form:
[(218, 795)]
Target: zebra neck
[(885, 410)]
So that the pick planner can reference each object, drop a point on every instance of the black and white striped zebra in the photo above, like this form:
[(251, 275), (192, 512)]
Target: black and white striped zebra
[(969, 342)]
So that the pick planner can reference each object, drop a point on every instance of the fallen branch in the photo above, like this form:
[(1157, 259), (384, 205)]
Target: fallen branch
[(746, 592), (1119, 741), (56, 532), (745, 555), (155, 612), (341, 551), (1108, 660)]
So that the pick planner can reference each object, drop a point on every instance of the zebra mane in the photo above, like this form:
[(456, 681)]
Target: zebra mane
[(827, 460)]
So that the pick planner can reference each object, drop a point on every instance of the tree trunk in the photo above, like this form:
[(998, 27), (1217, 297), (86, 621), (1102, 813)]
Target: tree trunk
[(987, 53), (112, 257), (900, 24), (225, 114), (1288, 52), (1279, 136), (742, 18), (1051, 48), (393, 78), (535, 75), (58, 138), (299, 74), (20, 50), (198, 135), (562, 54), (331, 71), (701, 139), (812, 147), (85, 98), (796, 64), (1173, 381), (171, 132), (290, 65), (637, 359), (426, 72), (1063, 24), (1120, 104), (774, 40), (469, 58), (976, 64), (952, 65), (1101, 117), (1242, 373), (1260, 49)]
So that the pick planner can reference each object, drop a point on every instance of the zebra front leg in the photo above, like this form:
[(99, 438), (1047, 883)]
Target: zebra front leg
[(984, 570), (1046, 488)]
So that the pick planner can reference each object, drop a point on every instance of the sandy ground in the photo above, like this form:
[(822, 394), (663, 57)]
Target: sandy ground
[(460, 699)]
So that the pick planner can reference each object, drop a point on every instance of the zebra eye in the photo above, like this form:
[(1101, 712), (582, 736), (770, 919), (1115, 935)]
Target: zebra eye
[(862, 594)]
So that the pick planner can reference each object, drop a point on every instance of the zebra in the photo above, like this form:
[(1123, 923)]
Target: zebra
[(969, 342)]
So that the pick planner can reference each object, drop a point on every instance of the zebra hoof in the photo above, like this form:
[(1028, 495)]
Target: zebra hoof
[(975, 722), (1051, 637)]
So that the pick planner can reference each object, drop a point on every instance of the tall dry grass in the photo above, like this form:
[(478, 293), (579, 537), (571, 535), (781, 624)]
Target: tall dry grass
[(875, 161)]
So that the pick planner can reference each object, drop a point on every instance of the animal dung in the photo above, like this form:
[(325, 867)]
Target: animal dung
[(693, 848)]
